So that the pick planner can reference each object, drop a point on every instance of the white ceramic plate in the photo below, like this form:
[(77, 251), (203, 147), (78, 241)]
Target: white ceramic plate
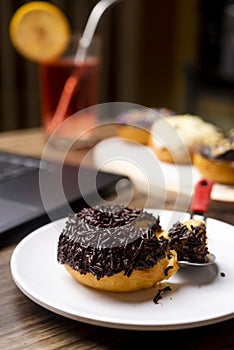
[(140, 164), (198, 297)]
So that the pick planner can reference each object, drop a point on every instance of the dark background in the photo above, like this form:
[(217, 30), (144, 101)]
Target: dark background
[(177, 54)]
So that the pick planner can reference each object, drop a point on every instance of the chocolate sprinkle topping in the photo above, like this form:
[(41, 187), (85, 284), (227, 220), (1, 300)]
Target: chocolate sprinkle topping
[(106, 240), (158, 296), (190, 245), (220, 147)]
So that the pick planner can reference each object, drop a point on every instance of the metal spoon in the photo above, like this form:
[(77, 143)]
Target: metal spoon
[(198, 208), (184, 263)]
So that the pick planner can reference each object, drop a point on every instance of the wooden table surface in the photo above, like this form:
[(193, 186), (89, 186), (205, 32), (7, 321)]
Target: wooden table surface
[(26, 325)]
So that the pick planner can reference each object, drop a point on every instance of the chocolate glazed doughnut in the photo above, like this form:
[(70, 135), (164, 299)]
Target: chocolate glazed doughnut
[(215, 159), (116, 248)]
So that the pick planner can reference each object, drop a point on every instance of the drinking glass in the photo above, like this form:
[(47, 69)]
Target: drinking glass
[(67, 89)]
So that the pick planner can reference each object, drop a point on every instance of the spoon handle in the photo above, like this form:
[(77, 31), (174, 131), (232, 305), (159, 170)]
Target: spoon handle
[(201, 198)]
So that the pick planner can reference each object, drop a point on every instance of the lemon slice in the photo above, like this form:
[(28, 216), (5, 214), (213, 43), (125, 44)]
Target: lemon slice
[(39, 31)]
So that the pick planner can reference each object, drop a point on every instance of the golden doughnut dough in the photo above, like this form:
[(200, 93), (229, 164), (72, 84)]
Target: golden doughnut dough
[(133, 133), (139, 279), (175, 139), (217, 170), (215, 158), (135, 124)]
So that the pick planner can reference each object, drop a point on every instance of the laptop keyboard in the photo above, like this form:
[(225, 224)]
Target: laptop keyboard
[(12, 166)]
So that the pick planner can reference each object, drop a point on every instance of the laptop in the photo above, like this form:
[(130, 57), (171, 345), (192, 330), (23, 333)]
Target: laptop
[(35, 192)]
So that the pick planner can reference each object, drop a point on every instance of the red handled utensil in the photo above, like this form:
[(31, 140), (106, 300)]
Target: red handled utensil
[(201, 198), (198, 208)]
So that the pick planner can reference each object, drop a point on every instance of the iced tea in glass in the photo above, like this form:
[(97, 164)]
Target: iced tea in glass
[(55, 76)]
